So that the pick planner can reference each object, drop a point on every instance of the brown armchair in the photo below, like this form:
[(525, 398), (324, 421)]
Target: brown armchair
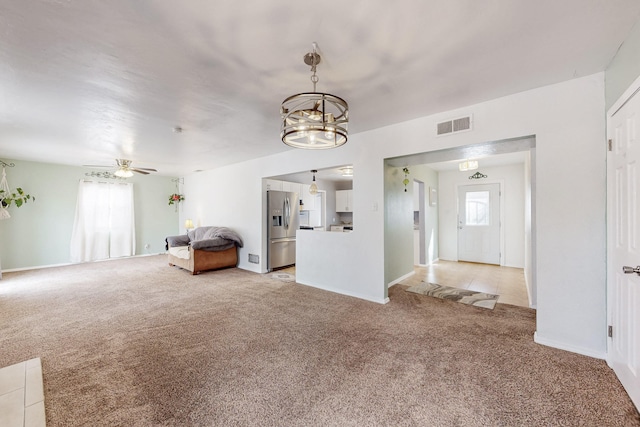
[(204, 248)]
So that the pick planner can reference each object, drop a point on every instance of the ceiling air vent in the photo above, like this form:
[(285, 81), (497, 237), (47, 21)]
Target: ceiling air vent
[(460, 124)]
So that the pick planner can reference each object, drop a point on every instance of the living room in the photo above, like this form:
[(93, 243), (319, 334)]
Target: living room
[(566, 116)]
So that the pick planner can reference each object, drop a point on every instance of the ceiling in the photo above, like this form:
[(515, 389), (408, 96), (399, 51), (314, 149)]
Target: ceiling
[(86, 82)]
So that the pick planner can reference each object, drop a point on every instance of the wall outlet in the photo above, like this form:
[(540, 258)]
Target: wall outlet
[(253, 258)]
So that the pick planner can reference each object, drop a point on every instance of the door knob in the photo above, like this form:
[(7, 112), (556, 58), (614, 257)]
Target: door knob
[(631, 270)]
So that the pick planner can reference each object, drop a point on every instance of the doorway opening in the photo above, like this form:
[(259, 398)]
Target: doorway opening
[(447, 210)]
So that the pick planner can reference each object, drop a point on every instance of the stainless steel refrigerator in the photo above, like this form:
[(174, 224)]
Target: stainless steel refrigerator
[(282, 224)]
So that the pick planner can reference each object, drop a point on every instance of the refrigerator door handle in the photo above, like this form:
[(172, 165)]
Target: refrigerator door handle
[(286, 213), (283, 239)]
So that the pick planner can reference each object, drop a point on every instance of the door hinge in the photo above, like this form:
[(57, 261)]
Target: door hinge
[(610, 331), (610, 144)]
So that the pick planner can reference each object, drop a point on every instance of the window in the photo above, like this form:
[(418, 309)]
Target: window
[(477, 208), (104, 225)]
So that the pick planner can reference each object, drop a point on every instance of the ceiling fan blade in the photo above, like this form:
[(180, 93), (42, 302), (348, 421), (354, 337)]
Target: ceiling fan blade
[(147, 169), (98, 166), (140, 171)]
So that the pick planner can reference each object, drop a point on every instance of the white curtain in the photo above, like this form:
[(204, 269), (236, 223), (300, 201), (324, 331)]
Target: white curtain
[(104, 225)]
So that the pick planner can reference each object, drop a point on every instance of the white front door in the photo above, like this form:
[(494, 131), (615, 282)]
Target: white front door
[(623, 246), (479, 223)]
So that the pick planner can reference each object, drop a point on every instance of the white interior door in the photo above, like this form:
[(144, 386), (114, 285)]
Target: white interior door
[(623, 246), (479, 223)]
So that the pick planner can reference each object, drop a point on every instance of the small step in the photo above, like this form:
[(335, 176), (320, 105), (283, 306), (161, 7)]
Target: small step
[(22, 395)]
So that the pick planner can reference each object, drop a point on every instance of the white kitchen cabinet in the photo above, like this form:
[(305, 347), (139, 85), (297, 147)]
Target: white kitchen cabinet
[(273, 185), (290, 186), (344, 201)]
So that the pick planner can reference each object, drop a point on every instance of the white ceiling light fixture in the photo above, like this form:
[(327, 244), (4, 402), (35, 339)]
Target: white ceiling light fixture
[(313, 188), (468, 165), (347, 171), (314, 120)]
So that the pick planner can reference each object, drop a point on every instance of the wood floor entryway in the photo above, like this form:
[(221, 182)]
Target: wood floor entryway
[(507, 282)]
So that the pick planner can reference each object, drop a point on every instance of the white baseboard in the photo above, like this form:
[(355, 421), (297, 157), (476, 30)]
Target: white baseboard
[(429, 263), (573, 349), (395, 282), (38, 267), (349, 294)]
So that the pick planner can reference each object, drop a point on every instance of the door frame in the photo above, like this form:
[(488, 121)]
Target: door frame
[(500, 183), (422, 257)]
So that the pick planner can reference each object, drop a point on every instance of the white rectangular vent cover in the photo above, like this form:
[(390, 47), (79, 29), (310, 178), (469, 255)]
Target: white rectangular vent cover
[(460, 124)]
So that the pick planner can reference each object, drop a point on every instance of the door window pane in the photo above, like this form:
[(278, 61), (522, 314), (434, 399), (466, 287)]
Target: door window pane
[(477, 208)]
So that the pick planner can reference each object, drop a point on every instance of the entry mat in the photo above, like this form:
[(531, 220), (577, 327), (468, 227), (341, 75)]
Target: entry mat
[(465, 296)]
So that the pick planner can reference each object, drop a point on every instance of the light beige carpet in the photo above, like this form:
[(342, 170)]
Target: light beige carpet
[(136, 343)]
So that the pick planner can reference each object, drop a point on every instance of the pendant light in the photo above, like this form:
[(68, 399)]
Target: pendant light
[(313, 188), (314, 120)]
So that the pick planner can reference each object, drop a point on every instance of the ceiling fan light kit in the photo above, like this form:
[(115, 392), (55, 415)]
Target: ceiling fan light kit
[(123, 173), (124, 169), (314, 120)]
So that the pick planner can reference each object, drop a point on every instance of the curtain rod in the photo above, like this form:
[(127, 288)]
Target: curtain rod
[(106, 182)]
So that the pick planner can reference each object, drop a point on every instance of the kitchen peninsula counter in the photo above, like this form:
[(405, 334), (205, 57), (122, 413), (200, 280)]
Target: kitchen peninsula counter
[(324, 260)]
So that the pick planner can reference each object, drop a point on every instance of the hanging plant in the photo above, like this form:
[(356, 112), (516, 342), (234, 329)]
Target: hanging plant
[(405, 181), (18, 197), (7, 197), (175, 198)]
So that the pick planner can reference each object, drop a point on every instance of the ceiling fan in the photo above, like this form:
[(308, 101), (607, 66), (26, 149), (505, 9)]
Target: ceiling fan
[(124, 169)]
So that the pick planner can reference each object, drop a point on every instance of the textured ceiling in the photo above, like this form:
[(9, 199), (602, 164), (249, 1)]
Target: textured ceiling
[(85, 82)]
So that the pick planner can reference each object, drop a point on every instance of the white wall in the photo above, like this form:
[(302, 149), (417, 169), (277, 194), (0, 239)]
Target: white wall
[(511, 179), (398, 226), (567, 120)]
